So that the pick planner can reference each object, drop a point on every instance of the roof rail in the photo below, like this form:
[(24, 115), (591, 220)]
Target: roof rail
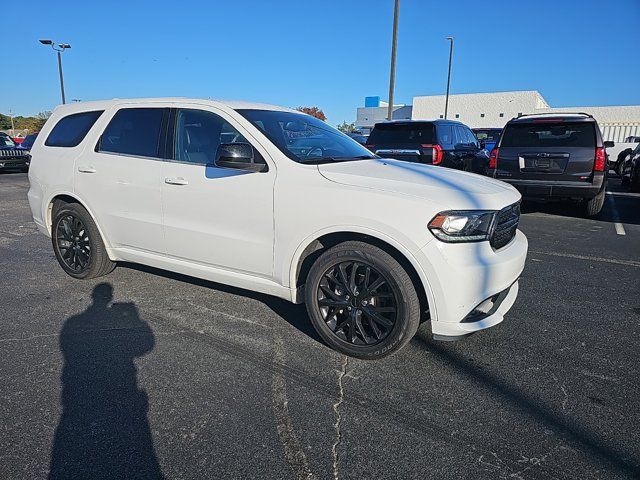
[(554, 113)]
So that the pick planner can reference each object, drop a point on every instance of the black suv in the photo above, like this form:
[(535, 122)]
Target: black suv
[(439, 142), (553, 157)]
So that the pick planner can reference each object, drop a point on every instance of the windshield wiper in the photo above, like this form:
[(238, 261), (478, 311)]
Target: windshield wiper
[(328, 159)]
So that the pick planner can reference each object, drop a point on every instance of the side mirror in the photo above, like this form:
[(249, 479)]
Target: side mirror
[(240, 156), (609, 144)]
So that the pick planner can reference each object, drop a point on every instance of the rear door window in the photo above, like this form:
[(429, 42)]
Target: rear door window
[(445, 134), (134, 131), (565, 134), (71, 130), (390, 133)]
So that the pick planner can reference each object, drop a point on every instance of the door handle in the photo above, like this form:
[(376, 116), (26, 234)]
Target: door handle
[(86, 169), (176, 181)]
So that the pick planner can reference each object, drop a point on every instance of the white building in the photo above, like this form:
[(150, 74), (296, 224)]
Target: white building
[(495, 109)]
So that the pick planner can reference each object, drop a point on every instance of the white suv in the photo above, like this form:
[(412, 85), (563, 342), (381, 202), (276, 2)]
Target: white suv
[(269, 199)]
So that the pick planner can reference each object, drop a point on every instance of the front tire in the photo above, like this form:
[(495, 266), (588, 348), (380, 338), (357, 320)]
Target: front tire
[(77, 243), (361, 301)]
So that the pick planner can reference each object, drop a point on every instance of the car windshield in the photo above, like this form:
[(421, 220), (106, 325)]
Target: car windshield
[(544, 134), (398, 133), (487, 135), (6, 141), (305, 139), (29, 141)]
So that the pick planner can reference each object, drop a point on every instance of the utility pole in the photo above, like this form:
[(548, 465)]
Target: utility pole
[(13, 128), (394, 44), (446, 102)]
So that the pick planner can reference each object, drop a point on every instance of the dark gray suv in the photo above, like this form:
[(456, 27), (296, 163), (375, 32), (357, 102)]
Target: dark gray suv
[(553, 157)]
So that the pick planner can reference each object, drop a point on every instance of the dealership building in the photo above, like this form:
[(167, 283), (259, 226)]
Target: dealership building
[(478, 110)]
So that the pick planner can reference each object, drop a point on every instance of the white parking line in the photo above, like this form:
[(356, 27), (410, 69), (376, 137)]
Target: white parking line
[(616, 218), (624, 194), (629, 263)]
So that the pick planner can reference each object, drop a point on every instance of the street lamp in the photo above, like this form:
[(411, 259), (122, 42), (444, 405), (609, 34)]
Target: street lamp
[(394, 44), (446, 102), (58, 47)]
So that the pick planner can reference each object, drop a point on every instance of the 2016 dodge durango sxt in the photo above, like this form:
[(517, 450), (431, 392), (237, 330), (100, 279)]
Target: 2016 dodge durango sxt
[(273, 200)]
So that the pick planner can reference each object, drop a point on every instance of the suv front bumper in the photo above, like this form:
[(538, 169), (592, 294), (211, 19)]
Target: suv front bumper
[(464, 276)]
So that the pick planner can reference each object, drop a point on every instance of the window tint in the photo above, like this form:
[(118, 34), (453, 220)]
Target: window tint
[(72, 129), (390, 133), (134, 131), (445, 134), (461, 138), (566, 134), (471, 138), (487, 135), (199, 134)]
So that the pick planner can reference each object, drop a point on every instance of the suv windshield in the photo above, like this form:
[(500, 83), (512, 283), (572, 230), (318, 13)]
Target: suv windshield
[(304, 138), (390, 133), (565, 134)]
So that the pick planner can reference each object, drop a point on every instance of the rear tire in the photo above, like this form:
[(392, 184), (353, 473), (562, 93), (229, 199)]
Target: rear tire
[(77, 243), (361, 301), (594, 205)]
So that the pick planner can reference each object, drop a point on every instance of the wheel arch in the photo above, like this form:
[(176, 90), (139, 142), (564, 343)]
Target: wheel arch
[(314, 246), (71, 198)]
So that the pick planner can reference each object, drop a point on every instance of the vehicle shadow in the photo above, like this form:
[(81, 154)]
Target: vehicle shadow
[(294, 315), (104, 431), (626, 210), (573, 432)]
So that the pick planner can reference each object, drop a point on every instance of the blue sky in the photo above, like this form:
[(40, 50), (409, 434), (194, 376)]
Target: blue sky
[(326, 53)]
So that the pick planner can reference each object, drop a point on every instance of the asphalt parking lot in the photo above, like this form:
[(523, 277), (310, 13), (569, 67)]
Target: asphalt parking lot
[(166, 375)]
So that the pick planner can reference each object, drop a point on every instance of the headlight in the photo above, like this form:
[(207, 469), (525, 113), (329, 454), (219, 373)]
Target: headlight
[(463, 225)]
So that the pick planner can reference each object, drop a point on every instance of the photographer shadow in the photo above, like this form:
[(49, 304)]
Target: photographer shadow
[(104, 431)]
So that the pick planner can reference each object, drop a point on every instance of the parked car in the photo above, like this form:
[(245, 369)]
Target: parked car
[(488, 136), (358, 137), (619, 151), (372, 246), (631, 171), (445, 143), (28, 142), (12, 158), (553, 157)]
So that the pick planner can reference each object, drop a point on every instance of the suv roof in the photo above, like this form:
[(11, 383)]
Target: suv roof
[(77, 107), (405, 122), (567, 116)]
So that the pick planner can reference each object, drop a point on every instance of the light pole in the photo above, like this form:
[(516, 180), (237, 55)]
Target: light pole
[(394, 44), (446, 102), (58, 48)]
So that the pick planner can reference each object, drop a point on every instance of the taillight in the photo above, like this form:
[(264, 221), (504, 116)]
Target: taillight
[(436, 153), (493, 158), (601, 160)]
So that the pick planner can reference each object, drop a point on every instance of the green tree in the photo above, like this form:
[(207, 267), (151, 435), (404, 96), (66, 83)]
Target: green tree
[(345, 127)]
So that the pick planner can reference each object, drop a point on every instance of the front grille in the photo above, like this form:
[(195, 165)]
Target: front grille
[(13, 153), (506, 226)]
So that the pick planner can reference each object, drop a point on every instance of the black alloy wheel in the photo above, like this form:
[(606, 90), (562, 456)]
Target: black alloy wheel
[(77, 243), (73, 242), (357, 302), (361, 300)]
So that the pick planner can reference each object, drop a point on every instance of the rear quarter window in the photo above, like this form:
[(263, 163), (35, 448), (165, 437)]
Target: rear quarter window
[(566, 134), (71, 130), (403, 133)]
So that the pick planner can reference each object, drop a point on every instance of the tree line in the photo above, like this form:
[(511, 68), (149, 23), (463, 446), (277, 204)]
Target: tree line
[(33, 124)]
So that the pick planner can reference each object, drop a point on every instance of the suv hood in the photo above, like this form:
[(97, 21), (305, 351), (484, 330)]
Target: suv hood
[(451, 188)]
